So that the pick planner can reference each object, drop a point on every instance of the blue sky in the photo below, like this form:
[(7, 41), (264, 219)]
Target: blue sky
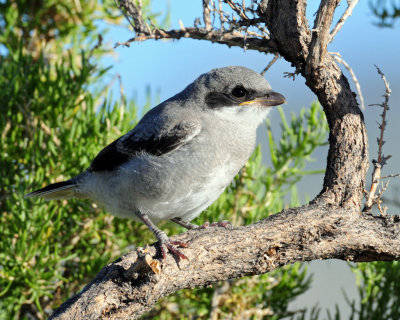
[(169, 66)]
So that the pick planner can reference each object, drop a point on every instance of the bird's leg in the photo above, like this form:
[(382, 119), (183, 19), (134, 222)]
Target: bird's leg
[(191, 226), (163, 239), (184, 224)]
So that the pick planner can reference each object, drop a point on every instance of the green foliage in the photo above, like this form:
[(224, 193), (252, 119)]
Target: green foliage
[(51, 128), (378, 288), (53, 26), (387, 12)]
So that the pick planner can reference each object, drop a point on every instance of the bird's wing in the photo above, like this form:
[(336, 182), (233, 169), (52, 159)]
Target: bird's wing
[(140, 140)]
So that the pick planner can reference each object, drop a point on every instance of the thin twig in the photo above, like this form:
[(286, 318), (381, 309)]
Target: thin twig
[(135, 12), (382, 210), (290, 75), (373, 199), (378, 199), (391, 176), (252, 33), (385, 105), (274, 59), (127, 17), (206, 15), (337, 56), (222, 18), (237, 9), (248, 23), (347, 13), (181, 25)]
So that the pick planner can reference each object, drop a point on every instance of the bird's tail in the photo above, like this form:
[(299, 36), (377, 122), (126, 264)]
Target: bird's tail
[(59, 190)]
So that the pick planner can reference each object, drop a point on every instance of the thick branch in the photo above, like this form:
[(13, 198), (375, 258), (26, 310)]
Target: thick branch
[(347, 161), (320, 34), (215, 254)]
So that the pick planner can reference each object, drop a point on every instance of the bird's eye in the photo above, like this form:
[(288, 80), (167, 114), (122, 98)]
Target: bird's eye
[(239, 92)]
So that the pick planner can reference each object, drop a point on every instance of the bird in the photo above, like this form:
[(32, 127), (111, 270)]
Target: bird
[(180, 156)]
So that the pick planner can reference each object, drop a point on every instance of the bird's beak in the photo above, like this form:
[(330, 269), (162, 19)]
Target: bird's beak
[(269, 100)]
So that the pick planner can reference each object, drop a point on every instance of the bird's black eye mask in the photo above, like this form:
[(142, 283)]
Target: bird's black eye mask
[(229, 97)]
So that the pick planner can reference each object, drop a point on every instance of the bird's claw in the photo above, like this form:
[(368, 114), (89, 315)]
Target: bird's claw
[(171, 246), (222, 224)]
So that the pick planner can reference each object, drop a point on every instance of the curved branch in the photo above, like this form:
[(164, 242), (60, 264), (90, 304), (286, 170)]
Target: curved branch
[(347, 161), (130, 286)]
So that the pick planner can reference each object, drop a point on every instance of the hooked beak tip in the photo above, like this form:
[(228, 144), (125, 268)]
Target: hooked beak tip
[(269, 100)]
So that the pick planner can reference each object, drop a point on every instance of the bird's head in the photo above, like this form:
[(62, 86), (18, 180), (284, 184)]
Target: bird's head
[(233, 87)]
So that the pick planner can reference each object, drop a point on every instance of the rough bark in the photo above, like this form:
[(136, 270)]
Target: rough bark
[(331, 226), (129, 287), (347, 161)]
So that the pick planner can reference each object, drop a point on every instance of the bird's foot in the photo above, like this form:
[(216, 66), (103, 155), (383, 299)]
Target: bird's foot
[(205, 225), (222, 224), (171, 246), (164, 243)]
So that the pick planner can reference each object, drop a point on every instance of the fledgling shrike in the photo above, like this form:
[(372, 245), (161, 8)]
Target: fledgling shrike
[(181, 155)]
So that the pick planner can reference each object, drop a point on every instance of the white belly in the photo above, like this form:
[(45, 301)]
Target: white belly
[(114, 191), (188, 205)]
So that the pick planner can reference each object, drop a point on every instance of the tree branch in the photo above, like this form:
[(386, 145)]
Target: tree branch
[(302, 234), (381, 161), (206, 15), (320, 34), (287, 22), (229, 38), (351, 4), (134, 12), (338, 57)]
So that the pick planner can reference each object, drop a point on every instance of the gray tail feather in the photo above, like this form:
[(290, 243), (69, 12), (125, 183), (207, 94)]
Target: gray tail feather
[(59, 190)]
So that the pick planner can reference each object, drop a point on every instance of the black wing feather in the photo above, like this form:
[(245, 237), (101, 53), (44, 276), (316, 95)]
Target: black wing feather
[(120, 152), (109, 158)]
